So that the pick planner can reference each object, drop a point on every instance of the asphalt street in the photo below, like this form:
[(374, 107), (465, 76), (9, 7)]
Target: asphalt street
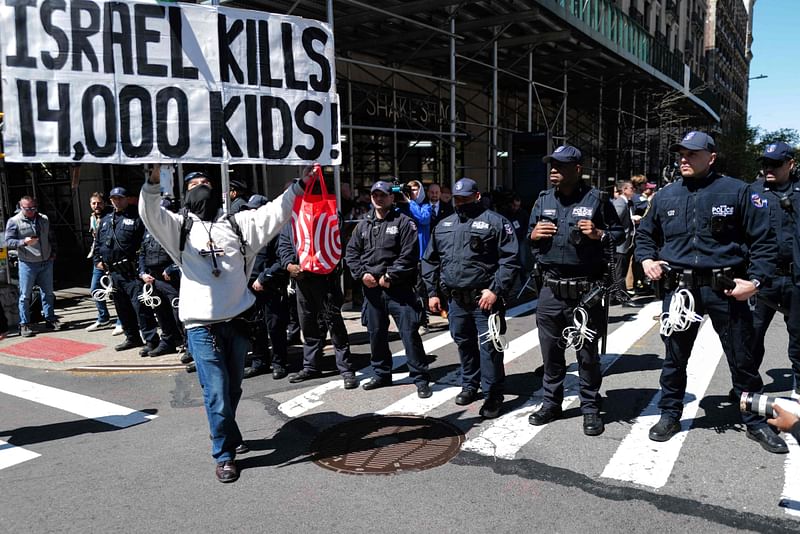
[(141, 464)]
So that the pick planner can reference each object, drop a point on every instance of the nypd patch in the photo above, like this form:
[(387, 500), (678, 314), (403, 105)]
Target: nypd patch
[(758, 201), (722, 210), (392, 230), (509, 229), (480, 225)]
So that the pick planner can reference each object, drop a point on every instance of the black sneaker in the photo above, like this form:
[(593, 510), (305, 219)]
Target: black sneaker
[(128, 344), (25, 330), (491, 407), (54, 325), (467, 396), (593, 424), (544, 415), (424, 390), (375, 383), (186, 358), (350, 382), (149, 346), (162, 349), (304, 375), (279, 372), (242, 448), (666, 427), (257, 367)]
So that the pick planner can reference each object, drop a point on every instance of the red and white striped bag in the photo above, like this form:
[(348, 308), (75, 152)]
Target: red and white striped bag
[(315, 227)]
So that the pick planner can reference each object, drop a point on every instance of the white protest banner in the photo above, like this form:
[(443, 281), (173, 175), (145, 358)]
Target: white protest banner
[(142, 81)]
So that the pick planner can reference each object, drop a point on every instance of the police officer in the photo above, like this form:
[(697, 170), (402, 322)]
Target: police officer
[(706, 226), (157, 269), (116, 245), (383, 253), (268, 282), (573, 228), (778, 188), (472, 260)]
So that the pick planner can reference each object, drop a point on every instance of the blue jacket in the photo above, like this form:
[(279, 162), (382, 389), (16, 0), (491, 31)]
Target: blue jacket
[(706, 223), (384, 246), (422, 215), (781, 220), (471, 253)]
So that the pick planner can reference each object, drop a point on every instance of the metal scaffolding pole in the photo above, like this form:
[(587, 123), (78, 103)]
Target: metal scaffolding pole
[(530, 90), (453, 153), (493, 147), (600, 131), (337, 169)]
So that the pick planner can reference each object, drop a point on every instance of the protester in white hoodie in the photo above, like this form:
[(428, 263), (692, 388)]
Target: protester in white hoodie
[(216, 259)]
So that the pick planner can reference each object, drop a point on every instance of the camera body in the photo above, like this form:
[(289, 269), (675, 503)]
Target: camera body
[(761, 404), (400, 188)]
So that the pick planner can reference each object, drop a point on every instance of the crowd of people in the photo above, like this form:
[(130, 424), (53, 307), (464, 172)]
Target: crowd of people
[(225, 284)]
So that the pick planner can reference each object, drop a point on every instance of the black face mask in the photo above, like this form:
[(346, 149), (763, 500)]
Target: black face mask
[(469, 211), (203, 202)]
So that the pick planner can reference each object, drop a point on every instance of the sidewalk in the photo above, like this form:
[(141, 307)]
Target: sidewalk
[(74, 349)]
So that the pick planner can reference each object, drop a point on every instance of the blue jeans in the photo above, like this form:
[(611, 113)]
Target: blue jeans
[(102, 309), (39, 273), (219, 352)]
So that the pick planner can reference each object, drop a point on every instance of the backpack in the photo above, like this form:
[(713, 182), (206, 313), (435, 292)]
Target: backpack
[(186, 226)]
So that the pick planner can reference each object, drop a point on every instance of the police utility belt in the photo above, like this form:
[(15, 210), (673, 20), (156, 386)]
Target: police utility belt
[(696, 278), (125, 267), (467, 296), (569, 288)]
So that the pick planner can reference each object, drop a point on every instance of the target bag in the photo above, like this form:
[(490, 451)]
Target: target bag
[(315, 227)]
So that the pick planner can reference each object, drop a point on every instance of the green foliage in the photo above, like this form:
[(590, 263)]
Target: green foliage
[(740, 146)]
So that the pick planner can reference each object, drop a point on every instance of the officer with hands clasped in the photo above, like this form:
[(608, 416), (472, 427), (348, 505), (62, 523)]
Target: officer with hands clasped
[(383, 253), (572, 227), (472, 259), (117, 243), (778, 188), (707, 239)]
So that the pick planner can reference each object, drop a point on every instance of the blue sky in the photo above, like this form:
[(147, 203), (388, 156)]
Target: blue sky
[(774, 102)]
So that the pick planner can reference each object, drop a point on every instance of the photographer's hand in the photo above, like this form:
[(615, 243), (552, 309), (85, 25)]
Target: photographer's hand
[(783, 420)]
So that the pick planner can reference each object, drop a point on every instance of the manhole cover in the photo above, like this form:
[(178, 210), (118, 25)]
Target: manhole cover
[(386, 444)]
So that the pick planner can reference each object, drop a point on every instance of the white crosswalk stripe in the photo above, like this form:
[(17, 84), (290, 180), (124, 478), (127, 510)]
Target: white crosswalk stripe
[(82, 405), (649, 463), (505, 436), (315, 396), (637, 459)]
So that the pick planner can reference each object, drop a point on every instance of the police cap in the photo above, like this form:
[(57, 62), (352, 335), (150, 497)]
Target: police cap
[(778, 151), (695, 141), (564, 154), (465, 187), (118, 192)]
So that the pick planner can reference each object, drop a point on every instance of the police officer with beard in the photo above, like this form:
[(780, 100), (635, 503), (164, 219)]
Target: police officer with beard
[(116, 245), (472, 259), (779, 188), (383, 254), (713, 232), (572, 227)]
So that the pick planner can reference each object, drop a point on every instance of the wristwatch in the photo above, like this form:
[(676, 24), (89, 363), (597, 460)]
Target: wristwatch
[(756, 282)]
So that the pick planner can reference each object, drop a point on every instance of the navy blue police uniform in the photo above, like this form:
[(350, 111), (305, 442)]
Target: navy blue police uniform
[(319, 300), (780, 289), (117, 243), (389, 247), (570, 265), (470, 251), (154, 261), (708, 228)]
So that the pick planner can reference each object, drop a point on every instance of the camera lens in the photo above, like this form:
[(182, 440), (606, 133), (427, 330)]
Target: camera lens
[(760, 404)]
